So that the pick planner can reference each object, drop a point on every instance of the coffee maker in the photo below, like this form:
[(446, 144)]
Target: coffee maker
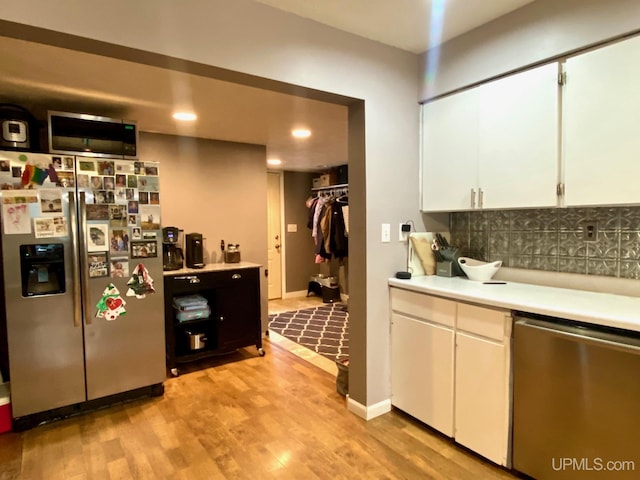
[(195, 250), (172, 258)]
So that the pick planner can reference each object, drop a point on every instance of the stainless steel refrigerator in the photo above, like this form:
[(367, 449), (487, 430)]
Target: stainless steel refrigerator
[(82, 266)]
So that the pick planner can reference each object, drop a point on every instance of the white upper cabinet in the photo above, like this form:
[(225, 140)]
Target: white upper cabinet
[(493, 146), (519, 140), (601, 126), (449, 152)]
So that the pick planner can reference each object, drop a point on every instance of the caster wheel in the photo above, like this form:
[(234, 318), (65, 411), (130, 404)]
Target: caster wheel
[(174, 372), (261, 352)]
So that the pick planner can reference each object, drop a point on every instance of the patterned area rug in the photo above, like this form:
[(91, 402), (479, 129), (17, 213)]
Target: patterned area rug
[(322, 329)]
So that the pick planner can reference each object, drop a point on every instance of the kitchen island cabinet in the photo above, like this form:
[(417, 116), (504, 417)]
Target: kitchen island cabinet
[(232, 292)]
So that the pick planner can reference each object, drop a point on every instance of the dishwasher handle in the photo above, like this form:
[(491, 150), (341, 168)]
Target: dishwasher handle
[(587, 335)]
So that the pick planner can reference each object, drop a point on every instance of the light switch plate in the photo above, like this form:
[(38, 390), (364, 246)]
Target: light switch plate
[(386, 233)]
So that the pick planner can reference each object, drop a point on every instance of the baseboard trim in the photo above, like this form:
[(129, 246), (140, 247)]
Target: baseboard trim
[(369, 412), (299, 293)]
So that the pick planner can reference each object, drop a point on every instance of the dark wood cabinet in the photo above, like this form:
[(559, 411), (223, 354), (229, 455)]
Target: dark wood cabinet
[(233, 297)]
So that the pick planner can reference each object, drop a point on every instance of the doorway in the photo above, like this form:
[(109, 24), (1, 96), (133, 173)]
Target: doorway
[(274, 233)]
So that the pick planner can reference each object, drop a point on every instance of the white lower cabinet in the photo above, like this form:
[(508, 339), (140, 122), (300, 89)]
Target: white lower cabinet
[(482, 380), (450, 368), (422, 355), (481, 397), (422, 371)]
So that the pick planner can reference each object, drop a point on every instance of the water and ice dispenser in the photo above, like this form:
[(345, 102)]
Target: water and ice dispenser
[(42, 269)]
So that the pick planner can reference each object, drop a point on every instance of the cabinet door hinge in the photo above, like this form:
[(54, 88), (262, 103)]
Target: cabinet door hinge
[(560, 190), (562, 78)]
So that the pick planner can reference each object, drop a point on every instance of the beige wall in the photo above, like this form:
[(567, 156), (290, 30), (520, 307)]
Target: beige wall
[(299, 245), (215, 188)]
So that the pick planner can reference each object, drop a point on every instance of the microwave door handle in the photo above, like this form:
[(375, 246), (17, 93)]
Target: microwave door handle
[(75, 258), (88, 315)]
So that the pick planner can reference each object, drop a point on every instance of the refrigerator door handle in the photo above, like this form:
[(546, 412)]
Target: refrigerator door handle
[(77, 294), (82, 253)]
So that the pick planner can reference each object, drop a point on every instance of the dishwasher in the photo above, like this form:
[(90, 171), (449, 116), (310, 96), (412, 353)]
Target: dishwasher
[(576, 400)]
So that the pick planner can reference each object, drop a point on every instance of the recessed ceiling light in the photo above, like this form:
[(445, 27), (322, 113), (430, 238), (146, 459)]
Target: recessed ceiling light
[(274, 161), (185, 116), (301, 133)]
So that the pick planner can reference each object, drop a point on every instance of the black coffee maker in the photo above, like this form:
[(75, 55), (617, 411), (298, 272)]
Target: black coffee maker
[(172, 258), (195, 250)]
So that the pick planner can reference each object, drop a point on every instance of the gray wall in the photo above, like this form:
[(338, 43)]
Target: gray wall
[(532, 34), (299, 245), (215, 188), (251, 38)]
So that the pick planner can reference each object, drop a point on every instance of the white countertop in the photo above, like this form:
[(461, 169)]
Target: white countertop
[(210, 267), (597, 308)]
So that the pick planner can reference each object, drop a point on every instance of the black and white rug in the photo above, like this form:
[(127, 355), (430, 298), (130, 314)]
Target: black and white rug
[(323, 329)]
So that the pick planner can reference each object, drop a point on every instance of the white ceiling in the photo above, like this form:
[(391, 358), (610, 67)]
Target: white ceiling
[(405, 24), (41, 77)]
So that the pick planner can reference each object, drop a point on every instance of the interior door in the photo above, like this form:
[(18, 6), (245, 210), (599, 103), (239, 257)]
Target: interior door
[(274, 247)]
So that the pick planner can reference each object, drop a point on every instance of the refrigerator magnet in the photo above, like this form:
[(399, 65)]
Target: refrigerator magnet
[(51, 201), (119, 267), (97, 237), (44, 227), (16, 219), (140, 283), (111, 305), (98, 266)]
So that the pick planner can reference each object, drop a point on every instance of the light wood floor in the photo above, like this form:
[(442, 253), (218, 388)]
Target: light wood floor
[(239, 417)]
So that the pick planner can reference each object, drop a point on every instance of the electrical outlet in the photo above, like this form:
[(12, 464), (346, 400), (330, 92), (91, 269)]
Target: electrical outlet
[(403, 232), (590, 231)]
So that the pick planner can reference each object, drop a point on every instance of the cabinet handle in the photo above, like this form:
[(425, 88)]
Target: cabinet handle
[(236, 276), (473, 198), (480, 198), (191, 278)]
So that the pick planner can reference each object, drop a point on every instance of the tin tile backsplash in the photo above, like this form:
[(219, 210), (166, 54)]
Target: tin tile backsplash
[(553, 239)]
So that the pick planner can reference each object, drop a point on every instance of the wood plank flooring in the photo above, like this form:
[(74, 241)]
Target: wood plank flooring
[(240, 416)]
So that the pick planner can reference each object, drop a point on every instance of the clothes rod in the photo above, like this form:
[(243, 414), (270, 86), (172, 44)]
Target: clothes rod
[(342, 185)]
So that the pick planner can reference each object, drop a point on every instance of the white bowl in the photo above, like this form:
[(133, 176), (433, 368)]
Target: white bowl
[(478, 270)]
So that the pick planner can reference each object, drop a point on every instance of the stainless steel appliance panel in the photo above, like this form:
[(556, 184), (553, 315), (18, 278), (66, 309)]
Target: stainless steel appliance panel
[(45, 339), (576, 401), (128, 352), (60, 353)]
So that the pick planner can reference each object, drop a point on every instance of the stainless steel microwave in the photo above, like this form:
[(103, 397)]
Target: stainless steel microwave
[(91, 135)]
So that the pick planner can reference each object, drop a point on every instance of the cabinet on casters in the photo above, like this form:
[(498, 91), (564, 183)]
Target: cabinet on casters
[(232, 295)]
